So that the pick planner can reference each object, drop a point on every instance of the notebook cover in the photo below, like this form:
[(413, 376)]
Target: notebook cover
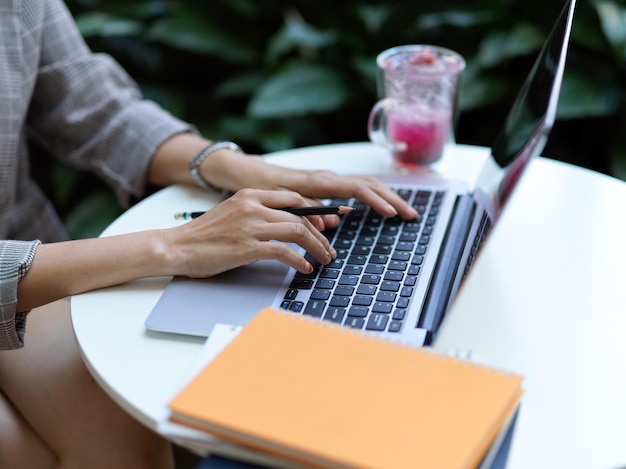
[(327, 396)]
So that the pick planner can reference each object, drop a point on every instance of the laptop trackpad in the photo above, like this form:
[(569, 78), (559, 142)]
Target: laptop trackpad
[(195, 306)]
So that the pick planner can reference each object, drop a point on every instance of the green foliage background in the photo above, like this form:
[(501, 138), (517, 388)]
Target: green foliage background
[(276, 74)]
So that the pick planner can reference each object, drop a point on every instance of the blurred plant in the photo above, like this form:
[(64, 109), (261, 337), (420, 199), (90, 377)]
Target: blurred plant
[(275, 74)]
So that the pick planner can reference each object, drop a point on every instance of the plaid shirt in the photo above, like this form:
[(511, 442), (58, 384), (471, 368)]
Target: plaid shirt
[(83, 109)]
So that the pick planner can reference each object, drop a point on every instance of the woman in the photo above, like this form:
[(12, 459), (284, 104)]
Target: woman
[(83, 109)]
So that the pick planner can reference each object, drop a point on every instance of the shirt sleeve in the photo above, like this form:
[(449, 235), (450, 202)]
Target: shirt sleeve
[(16, 258), (88, 112)]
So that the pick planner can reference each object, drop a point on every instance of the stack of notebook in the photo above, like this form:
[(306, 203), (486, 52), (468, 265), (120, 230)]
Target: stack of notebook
[(321, 395)]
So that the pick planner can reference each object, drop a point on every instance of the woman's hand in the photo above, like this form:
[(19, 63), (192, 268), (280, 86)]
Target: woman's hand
[(234, 171), (243, 229)]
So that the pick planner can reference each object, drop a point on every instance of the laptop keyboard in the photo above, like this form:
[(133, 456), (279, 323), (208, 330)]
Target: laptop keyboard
[(372, 281)]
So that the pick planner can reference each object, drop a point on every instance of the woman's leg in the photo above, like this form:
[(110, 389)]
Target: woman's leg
[(51, 390), (20, 446)]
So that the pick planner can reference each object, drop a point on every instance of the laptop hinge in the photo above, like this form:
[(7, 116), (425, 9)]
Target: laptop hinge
[(442, 281)]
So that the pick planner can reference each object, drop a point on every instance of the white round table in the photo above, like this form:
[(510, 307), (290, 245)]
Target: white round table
[(544, 299)]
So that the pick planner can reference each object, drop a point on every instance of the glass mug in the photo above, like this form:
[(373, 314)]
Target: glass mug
[(419, 87)]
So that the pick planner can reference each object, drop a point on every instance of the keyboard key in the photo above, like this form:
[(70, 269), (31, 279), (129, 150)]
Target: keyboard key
[(335, 314), (410, 280), (413, 270), (358, 311), (386, 239), (377, 322), (291, 294), (320, 295), (365, 241), (325, 284), (368, 231), (386, 297), (399, 314), (346, 234), (339, 301), (390, 230), (411, 227), (374, 269), (395, 326), (402, 302), (398, 265), (394, 275), (360, 300), (417, 259), (301, 284), (382, 249), (329, 273), (390, 286), (370, 279), (384, 308), (335, 264), (365, 289), (342, 244), (404, 256), (344, 290), (348, 280), (296, 306), (315, 308), (352, 270), (361, 250), (357, 260), (355, 323), (342, 253), (379, 259), (405, 246)]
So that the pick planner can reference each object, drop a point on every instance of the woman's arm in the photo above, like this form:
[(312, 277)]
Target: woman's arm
[(231, 170), (236, 232)]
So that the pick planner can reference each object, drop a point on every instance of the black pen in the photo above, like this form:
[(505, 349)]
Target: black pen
[(301, 211)]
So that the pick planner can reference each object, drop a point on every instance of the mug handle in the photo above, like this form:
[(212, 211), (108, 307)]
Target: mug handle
[(377, 125)]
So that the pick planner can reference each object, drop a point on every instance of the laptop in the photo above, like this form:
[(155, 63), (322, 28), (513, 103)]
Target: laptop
[(391, 278)]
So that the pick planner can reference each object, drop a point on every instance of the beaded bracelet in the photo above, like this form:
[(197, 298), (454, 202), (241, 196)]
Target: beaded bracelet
[(200, 157)]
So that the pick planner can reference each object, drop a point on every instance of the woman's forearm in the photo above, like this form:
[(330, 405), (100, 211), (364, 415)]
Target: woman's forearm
[(68, 268)]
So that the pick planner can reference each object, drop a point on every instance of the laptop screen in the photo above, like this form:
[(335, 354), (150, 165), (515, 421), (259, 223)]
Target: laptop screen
[(526, 128)]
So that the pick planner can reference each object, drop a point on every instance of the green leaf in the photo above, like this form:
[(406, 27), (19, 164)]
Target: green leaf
[(191, 32), (239, 85), (581, 96), (92, 215), (298, 90), (480, 92), (374, 17), (296, 33), (105, 25), (455, 18), (500, 46), (613, 22), (166, 97)]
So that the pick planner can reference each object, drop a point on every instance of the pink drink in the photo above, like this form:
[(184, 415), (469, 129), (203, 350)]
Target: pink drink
[(418, 86), (423, 132)]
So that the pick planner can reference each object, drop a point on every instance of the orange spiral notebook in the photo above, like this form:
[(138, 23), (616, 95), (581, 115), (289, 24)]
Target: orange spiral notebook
[(325, 396)]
